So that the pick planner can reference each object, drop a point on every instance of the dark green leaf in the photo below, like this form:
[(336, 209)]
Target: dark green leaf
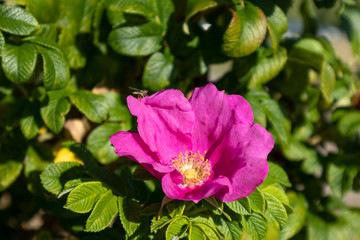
[(16, 20), (93, 106), (175, 208), (231, 230), (352, 17), (18, 62), (129, 213), (98, 142), (340, 178), (2, 43), (136, 40), (29, 122), (54, 110), (103, 213), (246, 31), (83, 198), (158, 71), (163, 221), (34, 162), (10, 170)]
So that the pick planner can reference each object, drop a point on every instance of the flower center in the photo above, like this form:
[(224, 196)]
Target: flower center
[(193, 167)]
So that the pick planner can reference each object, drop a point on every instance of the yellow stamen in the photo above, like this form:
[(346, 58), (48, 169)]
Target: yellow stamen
[(193, 167)]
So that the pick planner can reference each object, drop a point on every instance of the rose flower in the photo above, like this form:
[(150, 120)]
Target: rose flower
[(202, 147)]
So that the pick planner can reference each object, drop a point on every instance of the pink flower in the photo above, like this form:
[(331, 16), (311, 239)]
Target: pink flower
[(202, 147)]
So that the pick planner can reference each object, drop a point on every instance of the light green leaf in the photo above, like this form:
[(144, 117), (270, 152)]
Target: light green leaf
[(176, 208), (276, 212), (241, 206), (177, 228), (195, 233), (158, 224), (137, 40), (93, 106), (266, 69), (51, 177), (349, 124), (207, 226), (276, 175), (10, 170), (2, 43), (327, 81), (157, 72), (297, 218), (129, 213), (255, 225), (29, 122), (117, 111), (246, 31), (340, 178), (54, 110), (45, 11), (277, 193), (16, 20), (257, 200), (277, 25), (103, 213), (98, 142), (18, 62), (83, 198)]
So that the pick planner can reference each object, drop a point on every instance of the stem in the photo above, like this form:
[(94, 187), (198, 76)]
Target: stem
[(197, 210)]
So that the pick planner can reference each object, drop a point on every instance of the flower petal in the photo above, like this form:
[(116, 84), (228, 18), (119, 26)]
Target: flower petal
[(215, 113), (241, 156), (165, 122), (132, 146), (173, 190)]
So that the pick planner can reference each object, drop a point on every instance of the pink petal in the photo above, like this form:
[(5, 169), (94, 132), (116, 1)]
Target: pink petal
[(215, 113), (241, 156), (165, 122), (132, 146), (173, 190)]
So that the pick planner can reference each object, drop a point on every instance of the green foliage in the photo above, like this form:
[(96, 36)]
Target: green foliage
[(66, 69)]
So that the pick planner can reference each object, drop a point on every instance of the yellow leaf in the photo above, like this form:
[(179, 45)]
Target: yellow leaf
[(65, 155)]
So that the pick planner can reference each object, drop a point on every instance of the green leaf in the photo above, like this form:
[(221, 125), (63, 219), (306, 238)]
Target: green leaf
[(2, 43), (18, 62), (177, 228), (277, 25), (163, 221), (266, 69), (277, 193), (352, 18), (157, 72), (327, 81), (207, 226), (175, 208), (43, 41), (117, 111), (340, 178), (193, 7), (241, 206), (349, 123), (297, 218), (10, 170), (34, 162), (276, 118), (83, 198), (246, 31), (54, 110), (93, 106), (98, 142), (45, 11), (51, 178), (56, 69), (257, 200), (255, 225), (103, 213), (231, 230), (129, 213), (196, 233), (138, 41), (29, 122), (17, 21), (276, 175), (275, 212)]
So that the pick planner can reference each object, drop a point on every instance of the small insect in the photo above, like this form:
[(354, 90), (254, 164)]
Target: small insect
[(140, 93)]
